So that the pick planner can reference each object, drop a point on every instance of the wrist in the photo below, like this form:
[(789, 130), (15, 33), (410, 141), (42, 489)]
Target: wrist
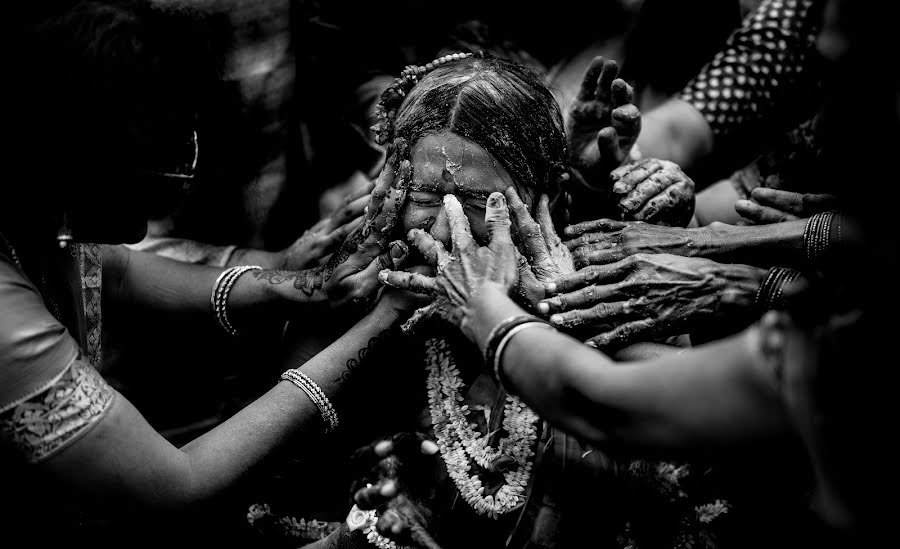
[(485, 309), (741, 285)]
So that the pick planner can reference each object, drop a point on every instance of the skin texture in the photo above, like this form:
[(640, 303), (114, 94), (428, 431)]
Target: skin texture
[(602, 123), (774, 206), (655, 191), (650, 296)]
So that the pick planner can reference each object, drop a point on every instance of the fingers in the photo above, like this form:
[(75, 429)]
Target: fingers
[(628, 177), (460, 232), (496, 217), (608, 148), (761, 215), (628, 332), (341, 233), (798, 204), (433, 250), (388, 212), (599, 314), (585, 297), (376, 495), (622, 93), (593, 274), (348, 212), (413, 282), (601, 253), (588, 89), (527, 228), (361, 192), (405, 443), (545, 222), (602, 225), (604, 83), (645, 190), (390, 523), (674, 206), (626, 120)]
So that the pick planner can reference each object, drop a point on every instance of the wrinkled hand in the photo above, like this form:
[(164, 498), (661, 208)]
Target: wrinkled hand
[(403, 473), (651, 296), (655, 191), (542, 257), (602, 123), (774, 206), (469, 269), (607, 241), (320, 240)]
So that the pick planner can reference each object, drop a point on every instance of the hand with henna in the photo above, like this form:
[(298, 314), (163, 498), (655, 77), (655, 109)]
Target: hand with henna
[(607, 241), (403, 473), (469, 269), (646, 297), (318, 242), (775, 206), (602, 124), (351, 273), (655, 191), (542, 257)]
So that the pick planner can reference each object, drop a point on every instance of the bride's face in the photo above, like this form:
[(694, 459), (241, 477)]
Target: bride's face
[(446, 163)]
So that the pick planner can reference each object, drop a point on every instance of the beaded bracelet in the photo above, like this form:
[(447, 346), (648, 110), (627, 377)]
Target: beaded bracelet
[(771, 292), (316, 395), (222, 289), (817, 235)]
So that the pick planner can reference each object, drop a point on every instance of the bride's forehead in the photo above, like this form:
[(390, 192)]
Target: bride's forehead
[(447, 158)]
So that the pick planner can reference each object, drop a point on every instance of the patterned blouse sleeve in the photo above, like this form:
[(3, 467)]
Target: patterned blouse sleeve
[(49, 397), (764, 78)]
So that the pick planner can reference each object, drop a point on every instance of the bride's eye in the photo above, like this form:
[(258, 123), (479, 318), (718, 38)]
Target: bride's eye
[(425, 200)]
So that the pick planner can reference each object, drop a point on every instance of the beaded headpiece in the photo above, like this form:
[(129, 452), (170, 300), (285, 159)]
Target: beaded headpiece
[(393, 96)]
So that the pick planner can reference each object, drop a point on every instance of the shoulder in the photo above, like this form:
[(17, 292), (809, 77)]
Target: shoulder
[(34, 347)]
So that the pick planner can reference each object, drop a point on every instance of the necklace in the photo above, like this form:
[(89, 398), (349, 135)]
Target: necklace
[(461, 445)]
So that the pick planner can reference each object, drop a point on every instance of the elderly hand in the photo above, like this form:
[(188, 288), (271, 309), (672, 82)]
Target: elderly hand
[(651, 296), (469, 269), (655, 191), (602, 123), (542, 256), (607, 241), (774, 206), (403, 472)]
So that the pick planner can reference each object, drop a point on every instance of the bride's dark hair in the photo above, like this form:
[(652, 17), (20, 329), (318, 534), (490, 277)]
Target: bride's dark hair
[(499, 104)]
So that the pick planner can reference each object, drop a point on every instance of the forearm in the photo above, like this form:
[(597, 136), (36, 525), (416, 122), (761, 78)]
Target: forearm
[(135, 279), (250, 256), (678, 404), (675, 131), (221, 456), (776, 244)]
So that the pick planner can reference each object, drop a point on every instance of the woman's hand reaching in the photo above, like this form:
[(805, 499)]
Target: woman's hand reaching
[(655, 191), (466, 271)]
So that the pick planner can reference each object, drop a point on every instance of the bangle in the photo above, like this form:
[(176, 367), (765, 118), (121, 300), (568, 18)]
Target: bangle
[(316, 395), (498, 356), (817, 236), (222, 289), (771, 292), (498, 334)]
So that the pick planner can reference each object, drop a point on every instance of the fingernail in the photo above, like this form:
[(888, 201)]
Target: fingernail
[(388, 489), (569, 230), (429, 448), (591, 344), (496, 200), (556, 319), (619, 187), (383, 447), (399, 250), (543, 307), (382, 276)]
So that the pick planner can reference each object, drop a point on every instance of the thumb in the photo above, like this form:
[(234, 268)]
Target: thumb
[(496, 217)]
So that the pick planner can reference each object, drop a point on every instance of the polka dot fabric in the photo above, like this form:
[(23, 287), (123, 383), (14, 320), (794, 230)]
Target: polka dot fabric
[(765, 68)]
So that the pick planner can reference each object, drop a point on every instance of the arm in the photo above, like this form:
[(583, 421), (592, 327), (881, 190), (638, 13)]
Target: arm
[(709, 398), (122, 459)]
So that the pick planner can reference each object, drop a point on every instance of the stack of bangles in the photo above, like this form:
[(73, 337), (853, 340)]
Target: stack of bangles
[(771, 292), (316, 395), (220, 292), (501, 335), (817, 235)]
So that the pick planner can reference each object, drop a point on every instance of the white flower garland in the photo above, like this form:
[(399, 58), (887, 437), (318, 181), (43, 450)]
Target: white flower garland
[(459, 442), (358, 518)]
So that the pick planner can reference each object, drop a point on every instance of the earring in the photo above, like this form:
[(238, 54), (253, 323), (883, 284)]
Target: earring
[(64, 236)]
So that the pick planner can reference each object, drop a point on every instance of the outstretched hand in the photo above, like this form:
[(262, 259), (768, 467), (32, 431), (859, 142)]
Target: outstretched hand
[(606, 241), (776, 206), (465, 271), (602, 124)]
